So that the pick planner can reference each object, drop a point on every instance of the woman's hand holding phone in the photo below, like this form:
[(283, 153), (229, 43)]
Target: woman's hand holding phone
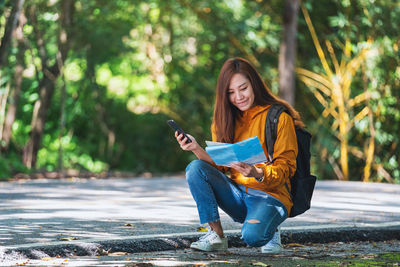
[(182, 140), (187, 142)]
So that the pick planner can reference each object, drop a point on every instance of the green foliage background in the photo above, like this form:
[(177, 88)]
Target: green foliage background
[(135, 64)]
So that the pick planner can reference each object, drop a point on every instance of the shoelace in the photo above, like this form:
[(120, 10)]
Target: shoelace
[(209, 231), (212, 236)]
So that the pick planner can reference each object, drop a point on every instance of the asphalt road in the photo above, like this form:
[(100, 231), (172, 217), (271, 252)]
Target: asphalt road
[(37, 213)]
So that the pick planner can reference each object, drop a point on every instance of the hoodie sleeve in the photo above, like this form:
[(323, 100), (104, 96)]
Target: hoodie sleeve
[(285, 153)]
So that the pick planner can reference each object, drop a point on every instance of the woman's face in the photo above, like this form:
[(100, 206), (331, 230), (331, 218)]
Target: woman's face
[(240, 92)]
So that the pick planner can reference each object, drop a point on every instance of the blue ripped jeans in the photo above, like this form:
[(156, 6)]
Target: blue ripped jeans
[(259, 212)]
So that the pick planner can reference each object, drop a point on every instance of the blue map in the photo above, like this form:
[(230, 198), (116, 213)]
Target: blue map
[(248, 151)]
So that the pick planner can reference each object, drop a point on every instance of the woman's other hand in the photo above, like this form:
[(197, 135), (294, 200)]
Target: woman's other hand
[(182, 142), (248, 170)]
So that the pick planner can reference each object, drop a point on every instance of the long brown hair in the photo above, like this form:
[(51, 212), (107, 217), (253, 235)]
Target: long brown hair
[(225, 113)]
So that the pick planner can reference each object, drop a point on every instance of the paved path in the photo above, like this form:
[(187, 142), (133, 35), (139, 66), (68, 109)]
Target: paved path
[(49, 212)]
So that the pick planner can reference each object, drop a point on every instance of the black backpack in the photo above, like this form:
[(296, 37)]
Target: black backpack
[(302, 182)]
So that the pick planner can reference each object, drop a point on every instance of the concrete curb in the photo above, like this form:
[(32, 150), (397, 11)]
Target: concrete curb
[(181, 241)]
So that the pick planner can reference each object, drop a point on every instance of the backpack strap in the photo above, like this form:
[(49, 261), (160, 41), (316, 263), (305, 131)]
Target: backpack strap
[(271, 126)]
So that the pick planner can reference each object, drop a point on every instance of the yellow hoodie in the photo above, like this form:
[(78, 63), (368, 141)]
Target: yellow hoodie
[(252, 123)]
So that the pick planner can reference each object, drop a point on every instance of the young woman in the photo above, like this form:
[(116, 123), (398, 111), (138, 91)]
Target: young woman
[(253, 195)]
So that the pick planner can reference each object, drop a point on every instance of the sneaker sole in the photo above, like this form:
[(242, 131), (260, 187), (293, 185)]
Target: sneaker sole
[(209, 250), (271, 251)]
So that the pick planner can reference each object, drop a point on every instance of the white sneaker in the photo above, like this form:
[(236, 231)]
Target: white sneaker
[(274, 246), (210, 242)]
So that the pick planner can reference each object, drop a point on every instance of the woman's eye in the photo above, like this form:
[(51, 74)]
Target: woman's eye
[(245, 88), (230, 92)]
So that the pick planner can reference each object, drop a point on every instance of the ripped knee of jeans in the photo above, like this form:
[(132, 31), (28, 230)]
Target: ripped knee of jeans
[(253, 221)]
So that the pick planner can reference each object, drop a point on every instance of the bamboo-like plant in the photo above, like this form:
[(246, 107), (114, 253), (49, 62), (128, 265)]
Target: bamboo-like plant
[(333, 90)]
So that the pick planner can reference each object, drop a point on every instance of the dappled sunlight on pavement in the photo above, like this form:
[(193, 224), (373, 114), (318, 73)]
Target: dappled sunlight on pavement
[(48, 210), (351, 203), (42, 211)]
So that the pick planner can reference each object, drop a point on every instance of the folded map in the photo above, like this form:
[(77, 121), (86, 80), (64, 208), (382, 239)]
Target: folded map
[(249, 151)]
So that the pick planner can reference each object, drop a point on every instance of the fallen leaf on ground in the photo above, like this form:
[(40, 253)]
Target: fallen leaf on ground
[(102, 252), (260, 264), (117, 253), (292, 245), (46, 259), (69, 238), (369, 256), (202, 229), (128, 224)]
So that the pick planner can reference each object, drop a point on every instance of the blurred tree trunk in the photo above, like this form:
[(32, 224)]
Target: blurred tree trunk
[(47, 83), (11, 24), (3, 103), (62, 113), (14, 99), (287, 53)]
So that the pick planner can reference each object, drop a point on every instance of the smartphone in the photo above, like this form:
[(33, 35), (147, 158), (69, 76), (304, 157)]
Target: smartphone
[(176, 127)]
